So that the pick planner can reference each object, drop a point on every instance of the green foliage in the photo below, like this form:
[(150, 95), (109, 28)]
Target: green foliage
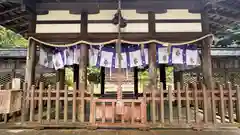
[(9, 39), (69, 76), (94, 75)]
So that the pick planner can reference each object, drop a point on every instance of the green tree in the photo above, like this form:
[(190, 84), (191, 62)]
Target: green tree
[(9, 39)]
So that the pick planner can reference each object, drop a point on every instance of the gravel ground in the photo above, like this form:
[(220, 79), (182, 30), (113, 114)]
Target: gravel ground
[(117, 132)]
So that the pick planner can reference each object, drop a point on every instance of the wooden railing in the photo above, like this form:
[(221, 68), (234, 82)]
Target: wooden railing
[(184, 107)]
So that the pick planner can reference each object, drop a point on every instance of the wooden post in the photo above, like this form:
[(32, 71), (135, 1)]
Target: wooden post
[(76, 73), (162, 69), (206, 52), (61, 78), (206, 57), (152, 52), (83, 64), (178, 77), (238, 104), (102, 79), (31, 54), (136, 82)]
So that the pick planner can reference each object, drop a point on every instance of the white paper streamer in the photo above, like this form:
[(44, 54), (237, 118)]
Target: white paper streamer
[(93, 57), (57, 61), (135, 58), (163, 55), (43, 59), (177, 56), (192, 57), (68, 57), (76, 55), (123, 61), (106, 59)]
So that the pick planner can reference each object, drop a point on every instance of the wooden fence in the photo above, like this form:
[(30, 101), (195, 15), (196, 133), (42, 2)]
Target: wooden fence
[(184, 107)]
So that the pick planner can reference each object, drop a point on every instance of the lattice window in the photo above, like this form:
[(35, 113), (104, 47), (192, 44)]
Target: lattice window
[(189, 77), (234, 77), (5, 78), (47, 79), (219, 77)]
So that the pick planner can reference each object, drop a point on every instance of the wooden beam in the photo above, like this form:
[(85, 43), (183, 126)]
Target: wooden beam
[(220, 15), (14, 18), (17, 25), (103, 37), (221, 25), (227, 6), (129, 21), (10, 10), (141, 4)]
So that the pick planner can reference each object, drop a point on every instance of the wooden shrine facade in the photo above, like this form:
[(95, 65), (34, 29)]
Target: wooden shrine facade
[(63, 21), (62, 24)]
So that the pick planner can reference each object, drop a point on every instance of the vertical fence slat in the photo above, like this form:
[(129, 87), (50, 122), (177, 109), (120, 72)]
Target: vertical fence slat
[(57, 103), (143, 107), (32, 103), (49, 103), (143, 110), (1, 115), (74, 103), (196, 101), (82, 92), (222, 109), (161, 103), (65, 103), (187, 103), (179, 105), (6, 115), (133, 115), (92, 106), (153, 110), (170, 96), (230, 103), (238, 103), (213, 106), (24, 99), (40, 102), (205, 104), (113, 112), (103, 112)]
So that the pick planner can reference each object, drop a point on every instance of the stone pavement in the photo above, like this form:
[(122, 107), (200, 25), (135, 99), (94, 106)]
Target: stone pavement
[(117, 132)]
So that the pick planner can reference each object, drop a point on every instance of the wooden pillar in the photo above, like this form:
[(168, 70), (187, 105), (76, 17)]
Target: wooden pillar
[(178, 77), (207, 61), (152, 52), (102, 80), (76, 74), (83, 63), (162, 68), (31, 53), (83, 54), (61, 78), (135, 72), (206, 52)]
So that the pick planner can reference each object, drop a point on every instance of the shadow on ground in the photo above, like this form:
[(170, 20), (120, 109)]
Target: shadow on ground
[(117, 132)]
